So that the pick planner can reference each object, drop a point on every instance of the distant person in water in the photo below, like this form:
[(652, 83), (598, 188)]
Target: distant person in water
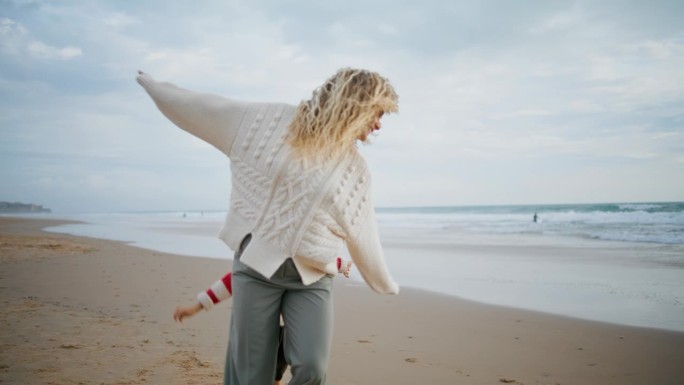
[(534, 218)]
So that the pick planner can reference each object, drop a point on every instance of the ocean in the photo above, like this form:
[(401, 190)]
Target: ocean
[(630, 222), (617, 262)]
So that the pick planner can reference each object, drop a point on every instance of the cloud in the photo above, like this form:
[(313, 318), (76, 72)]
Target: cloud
[(494, 96), (120, 20), (41, 50), (15, 39)]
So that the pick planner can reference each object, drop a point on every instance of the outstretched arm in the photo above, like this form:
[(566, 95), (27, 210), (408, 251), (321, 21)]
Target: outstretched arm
[(186, 311), (219, 291), (212, 118)]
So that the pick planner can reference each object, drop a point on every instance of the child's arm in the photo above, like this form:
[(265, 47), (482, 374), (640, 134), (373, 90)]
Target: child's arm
[(219, 291), (186, 311), (223, 289)]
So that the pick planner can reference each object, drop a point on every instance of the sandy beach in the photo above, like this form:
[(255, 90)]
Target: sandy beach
[(89, 311)]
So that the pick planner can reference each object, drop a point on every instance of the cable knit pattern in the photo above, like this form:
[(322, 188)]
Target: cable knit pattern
[(248, 189), (293, 207)]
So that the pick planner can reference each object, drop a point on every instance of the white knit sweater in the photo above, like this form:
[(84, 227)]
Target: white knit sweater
[(294, 208)]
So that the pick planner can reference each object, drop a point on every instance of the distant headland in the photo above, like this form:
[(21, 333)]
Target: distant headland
[(18, 207)]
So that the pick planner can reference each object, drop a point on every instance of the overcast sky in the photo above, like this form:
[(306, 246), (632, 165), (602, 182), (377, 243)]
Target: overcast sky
[(501, 102)]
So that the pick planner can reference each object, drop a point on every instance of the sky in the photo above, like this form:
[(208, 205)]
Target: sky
[(501, 102)]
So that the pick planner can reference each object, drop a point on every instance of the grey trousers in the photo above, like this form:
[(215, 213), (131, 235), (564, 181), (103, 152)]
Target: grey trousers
[(258, 303)]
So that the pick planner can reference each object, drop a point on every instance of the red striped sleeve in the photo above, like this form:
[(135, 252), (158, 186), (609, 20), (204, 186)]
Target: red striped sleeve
[(228, 282), (213, 297)]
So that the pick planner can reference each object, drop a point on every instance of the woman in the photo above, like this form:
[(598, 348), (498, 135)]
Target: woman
[(300, 192)]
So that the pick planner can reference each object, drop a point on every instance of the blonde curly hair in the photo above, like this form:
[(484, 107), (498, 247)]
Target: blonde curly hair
[(340, 111)]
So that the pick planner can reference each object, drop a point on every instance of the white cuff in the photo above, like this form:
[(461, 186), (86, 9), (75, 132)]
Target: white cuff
[(205, 300)]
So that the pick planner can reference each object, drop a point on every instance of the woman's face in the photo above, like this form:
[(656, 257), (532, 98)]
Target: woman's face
[(374, 126)]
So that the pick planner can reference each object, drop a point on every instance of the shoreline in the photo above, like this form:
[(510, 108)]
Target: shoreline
[(626, 283), (359, 283), (96, 311)]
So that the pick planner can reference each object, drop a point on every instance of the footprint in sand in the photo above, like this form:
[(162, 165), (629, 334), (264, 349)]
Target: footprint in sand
[(71, 346)]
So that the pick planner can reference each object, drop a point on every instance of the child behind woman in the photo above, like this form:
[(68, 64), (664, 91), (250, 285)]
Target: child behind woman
[(222, 289)]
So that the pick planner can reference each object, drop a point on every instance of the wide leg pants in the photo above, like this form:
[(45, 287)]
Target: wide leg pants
[(258, 303)]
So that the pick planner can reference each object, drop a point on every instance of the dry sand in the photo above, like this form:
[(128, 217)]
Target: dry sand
[(87, 311)]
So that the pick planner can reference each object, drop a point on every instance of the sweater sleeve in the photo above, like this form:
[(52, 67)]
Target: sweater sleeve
[(219, 291), (212, 118), (353, 211), (366, 252)]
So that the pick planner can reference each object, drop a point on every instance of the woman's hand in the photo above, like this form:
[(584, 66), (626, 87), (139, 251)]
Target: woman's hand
[(186, 311), (141, 77)]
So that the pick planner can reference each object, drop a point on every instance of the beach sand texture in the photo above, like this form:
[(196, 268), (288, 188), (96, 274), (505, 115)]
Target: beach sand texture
[(88, 311)]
